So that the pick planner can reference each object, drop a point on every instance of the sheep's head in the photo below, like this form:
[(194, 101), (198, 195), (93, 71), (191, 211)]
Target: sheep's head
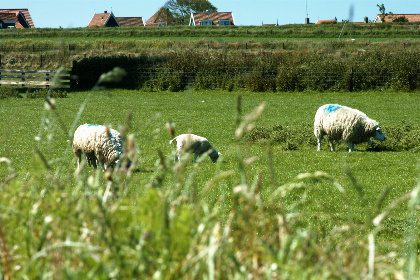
[(214, 156), (378, 134)]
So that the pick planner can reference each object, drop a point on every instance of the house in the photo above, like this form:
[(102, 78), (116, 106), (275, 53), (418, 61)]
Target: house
[(162, 17), (15, 18), (391, 17), (104, 19), (212, 18), (327, 21), (130, 21)]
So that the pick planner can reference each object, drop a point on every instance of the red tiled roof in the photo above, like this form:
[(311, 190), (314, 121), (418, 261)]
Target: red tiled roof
[(157, 18), (215, 17), (99, 19), (409, 17), (7, 16), (130, 21), (326, 21), (25, 13)]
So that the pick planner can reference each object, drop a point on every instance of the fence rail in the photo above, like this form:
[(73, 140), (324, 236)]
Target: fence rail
[(37, 78)]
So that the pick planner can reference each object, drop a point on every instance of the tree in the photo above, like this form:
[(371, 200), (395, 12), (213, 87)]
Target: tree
[(382, 11), (182, 9)]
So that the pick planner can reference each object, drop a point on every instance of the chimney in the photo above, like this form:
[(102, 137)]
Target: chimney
[(105, 12), (306, 20), (366, 20)]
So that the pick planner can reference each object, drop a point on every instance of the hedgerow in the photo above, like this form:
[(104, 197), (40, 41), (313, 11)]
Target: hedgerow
[(260, 71)]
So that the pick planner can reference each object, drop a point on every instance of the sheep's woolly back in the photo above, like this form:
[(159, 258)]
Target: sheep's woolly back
[(194, 143), (341, 122), (104, 143)]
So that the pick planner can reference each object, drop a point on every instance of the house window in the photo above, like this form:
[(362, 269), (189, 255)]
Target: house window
[(10, 23), (206, 22), (224, 22)]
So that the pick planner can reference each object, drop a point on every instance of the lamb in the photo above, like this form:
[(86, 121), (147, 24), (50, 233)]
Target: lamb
[(99, 144), (341, 122), (190, 143)]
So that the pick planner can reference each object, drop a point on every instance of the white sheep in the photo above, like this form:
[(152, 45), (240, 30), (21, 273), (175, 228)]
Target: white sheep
[(341, 122), (190, 143), (99, 144)]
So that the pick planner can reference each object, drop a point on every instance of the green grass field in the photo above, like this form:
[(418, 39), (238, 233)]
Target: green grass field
[(252, 214)]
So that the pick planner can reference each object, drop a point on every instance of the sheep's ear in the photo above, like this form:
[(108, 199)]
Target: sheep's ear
[(219, 154)]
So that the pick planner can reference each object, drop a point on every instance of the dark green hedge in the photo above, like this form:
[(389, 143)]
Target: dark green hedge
[(259, 71)]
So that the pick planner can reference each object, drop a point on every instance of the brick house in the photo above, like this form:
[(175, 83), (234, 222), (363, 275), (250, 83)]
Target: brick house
[(212, 18), (390, 17), (15, 18), (104, 19)]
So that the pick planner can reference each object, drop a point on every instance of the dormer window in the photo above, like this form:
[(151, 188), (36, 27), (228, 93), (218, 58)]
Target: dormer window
[(10, 23), (206, 22), (225, 22)]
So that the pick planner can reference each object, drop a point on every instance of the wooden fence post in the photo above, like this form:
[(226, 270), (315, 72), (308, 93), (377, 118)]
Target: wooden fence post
[(23, 78)]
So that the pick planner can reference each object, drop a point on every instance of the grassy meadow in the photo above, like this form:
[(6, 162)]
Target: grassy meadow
[(266, 209), (272, 207)]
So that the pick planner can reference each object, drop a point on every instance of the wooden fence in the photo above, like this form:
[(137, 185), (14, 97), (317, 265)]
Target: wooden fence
[(36, 78)]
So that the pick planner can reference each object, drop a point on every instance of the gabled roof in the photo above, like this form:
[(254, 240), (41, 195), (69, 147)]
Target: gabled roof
[(390, 17), (130, 21), (160, 18), (20, 15), (104, 19), (215, 17)]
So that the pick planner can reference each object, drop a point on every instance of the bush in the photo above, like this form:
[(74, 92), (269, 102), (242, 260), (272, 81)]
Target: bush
[(9, 92), (42, 93), (290, 138)]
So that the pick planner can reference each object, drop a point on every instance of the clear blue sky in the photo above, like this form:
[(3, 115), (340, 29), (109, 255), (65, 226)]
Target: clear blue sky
[(78, 13)]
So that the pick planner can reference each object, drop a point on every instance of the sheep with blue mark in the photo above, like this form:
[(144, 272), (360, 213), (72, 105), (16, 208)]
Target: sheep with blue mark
[(99, 144), (341, 122)]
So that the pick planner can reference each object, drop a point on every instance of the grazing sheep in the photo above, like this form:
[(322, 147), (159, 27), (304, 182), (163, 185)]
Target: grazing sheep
[(99, 144), (341, 122), (190, 143)]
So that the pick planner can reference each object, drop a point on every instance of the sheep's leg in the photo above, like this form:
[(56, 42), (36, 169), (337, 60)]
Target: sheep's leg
[(79, 159), (195, 157), (369, 142), (95, 163), (319, 144), (177, 156), (351, 147), (332, 145)]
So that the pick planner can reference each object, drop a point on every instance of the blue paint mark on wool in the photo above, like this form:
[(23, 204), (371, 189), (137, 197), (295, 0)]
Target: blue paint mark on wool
[(93, 125), (332, 108)]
